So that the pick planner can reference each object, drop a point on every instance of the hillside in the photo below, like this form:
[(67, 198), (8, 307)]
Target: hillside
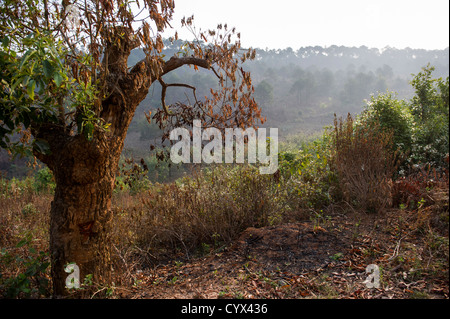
[(299, 91)]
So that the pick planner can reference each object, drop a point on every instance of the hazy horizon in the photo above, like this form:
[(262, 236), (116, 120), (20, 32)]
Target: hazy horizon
[(399, 24)]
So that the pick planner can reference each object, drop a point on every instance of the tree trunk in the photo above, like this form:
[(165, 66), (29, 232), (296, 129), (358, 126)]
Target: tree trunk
[(79, 231), (85, 170), (80, 213)]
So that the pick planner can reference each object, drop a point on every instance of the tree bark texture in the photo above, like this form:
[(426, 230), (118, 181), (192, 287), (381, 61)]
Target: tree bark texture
[(80, 213)]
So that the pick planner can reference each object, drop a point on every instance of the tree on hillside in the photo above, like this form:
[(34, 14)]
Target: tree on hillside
[(430, 111), (66, 90), (264, 94)]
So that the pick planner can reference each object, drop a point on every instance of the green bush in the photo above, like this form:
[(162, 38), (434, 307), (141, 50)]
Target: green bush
[(132, 176), (431, 143), (306, 177), (30, 277), (420, 127), (44, 181), (16, 187), (430, 109), (389, 114), (29, 209)]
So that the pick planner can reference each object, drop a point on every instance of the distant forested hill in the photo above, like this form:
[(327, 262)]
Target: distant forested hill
[(300, 90), (335, 58)]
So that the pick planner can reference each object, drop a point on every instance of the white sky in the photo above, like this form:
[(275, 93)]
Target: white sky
[(278, 24)]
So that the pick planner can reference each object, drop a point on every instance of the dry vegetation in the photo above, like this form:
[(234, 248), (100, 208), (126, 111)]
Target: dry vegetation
[(232, 233), (365, 164)]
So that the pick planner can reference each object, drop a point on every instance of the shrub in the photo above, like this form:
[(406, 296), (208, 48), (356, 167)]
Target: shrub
[(306, 177), (210, 208), (431, 142), (44, 181), (430, 109), (389, 114), (29, 209), (363, 160), (132, 176), (16, 188), (30, 276), (410, 190)]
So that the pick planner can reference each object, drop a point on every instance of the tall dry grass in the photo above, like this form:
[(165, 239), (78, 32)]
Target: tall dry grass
[(365, 164), (198, 213), (24, 241)]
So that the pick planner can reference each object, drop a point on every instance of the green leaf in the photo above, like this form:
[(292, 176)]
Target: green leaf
[(42, 146), (8, 121), (5, 42), (58, 79), (26, 57), (22, 242), (15, 82), (30, 89), (88, 130), (48, 69)]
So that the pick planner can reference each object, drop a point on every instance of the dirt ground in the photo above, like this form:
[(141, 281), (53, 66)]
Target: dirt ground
[(325, 257)]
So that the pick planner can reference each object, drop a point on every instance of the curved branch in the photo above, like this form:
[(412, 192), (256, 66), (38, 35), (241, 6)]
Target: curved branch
[(175, 62), (164, 89), (144, 69)]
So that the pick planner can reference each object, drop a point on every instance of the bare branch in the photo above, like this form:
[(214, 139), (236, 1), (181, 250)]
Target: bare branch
[(215, 72), (175, 62), (164, 89)]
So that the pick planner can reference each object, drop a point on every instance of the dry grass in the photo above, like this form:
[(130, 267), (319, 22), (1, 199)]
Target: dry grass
[(161, 234), (197, 214), (23, 213), (24, 242), (365, 165)]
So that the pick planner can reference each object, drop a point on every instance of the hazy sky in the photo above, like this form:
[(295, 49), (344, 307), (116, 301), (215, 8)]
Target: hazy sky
[(297, 23)]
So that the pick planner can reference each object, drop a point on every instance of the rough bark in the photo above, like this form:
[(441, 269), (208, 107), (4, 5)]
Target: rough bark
[(81, 210)]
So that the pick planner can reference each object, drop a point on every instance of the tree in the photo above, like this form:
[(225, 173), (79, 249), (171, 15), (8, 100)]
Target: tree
[(391, 115), (264, 94), (66, 88), (430, 109), (304, 87), (423, 101)]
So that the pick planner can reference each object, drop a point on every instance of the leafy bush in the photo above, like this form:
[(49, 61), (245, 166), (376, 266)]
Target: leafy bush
[(391, 115), (431, 142), (420, 128), (44, 181), (29, 209), (31, 277), (132, 176), (430, 109)]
